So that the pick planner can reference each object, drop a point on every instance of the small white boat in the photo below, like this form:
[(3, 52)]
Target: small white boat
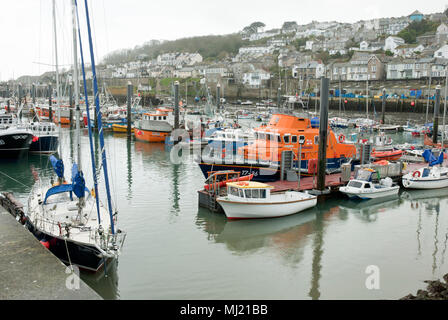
[(362, 187), (426, 178), (252, 200)]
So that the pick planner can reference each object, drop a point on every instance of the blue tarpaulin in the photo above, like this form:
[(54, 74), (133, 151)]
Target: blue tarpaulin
[(58, 166), (431, 159), (78, 182)]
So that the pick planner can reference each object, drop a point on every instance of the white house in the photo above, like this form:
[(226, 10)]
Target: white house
[(442, 52), (255, 79), (363, 46), (442, 33), (392, 43)]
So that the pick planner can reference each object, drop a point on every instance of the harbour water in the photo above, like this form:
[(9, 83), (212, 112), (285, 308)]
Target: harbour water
[(175, 250)]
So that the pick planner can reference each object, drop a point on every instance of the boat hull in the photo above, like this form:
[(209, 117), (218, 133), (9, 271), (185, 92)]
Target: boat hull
[(45, 144), (120, 128), (370, 195), (150, 136), (411, 183), (86, 257), (241, 210), (262, 173), (15, 144)]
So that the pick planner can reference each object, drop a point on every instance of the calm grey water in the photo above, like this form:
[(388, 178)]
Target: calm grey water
[(174, 250)]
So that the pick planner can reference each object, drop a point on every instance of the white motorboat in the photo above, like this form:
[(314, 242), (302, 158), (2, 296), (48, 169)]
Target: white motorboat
[(426, 178), (362, 186), (251, 200)]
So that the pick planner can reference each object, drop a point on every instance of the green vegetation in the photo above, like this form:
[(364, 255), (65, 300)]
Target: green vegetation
[(417, 28), (389, 53)]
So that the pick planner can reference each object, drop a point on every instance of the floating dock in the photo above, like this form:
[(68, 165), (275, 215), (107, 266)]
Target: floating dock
[(29, 271)]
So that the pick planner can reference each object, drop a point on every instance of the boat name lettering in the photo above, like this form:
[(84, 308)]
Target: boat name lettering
[(24, 136)]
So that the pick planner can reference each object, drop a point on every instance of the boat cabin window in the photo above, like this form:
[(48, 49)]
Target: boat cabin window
[(233, 191), (294, 139), (316, 139), (367, 186), (164, 117), (241, 193), (261, 136), (255, 193), (355, 184), (279, 139), (286, 138)]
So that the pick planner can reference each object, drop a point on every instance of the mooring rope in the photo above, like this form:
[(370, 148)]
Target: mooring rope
[(14, 179)]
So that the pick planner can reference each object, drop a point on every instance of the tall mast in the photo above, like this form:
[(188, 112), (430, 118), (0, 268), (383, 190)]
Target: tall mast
[(57, 75), (100, 125), (76, 83)]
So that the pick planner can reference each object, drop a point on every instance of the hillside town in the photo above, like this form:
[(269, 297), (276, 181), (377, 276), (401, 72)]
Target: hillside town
[(370, 50), (365, 50)]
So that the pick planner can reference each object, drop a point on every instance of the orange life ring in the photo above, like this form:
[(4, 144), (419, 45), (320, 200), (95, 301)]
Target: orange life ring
[(341, 138), (416, 174)]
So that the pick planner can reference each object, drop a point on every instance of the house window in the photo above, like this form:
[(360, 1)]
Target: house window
[(374, 68)]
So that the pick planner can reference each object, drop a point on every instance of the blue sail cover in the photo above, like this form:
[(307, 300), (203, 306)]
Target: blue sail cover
[(58, 166), (78, 182), (431, 159)]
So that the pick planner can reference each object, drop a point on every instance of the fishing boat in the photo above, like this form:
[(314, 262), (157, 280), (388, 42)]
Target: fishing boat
[(45, 137), (254, 200), (362, 186), (263, 156), (15, 138), (430, 177), (62, 214), (156, 126)]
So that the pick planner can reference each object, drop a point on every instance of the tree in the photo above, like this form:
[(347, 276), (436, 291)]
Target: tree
[(288, 25), (417, 28), (389, 53)]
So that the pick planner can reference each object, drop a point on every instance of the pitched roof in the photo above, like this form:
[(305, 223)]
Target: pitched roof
[(415, 13)]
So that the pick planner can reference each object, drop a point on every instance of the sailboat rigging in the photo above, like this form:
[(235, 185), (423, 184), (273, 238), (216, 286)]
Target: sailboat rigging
[(74, 234)]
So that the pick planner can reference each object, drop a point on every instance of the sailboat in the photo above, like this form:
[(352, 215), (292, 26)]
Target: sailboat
[(62, 214)]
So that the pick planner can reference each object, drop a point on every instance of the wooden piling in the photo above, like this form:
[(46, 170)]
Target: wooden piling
[(176, 105), (129, 111), (323, 134), (436, 116)]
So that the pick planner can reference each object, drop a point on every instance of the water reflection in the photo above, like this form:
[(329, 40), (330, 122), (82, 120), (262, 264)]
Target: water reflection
[(175, 197), (318, 242), (368, 210), (104, 283), (286, 235), (129, 166), (429, 202)]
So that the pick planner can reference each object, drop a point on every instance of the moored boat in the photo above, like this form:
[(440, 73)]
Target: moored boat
[(363, 187), (254, 200), (263, 156)]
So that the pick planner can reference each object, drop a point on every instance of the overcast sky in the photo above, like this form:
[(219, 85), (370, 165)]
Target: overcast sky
[(27, 34)]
